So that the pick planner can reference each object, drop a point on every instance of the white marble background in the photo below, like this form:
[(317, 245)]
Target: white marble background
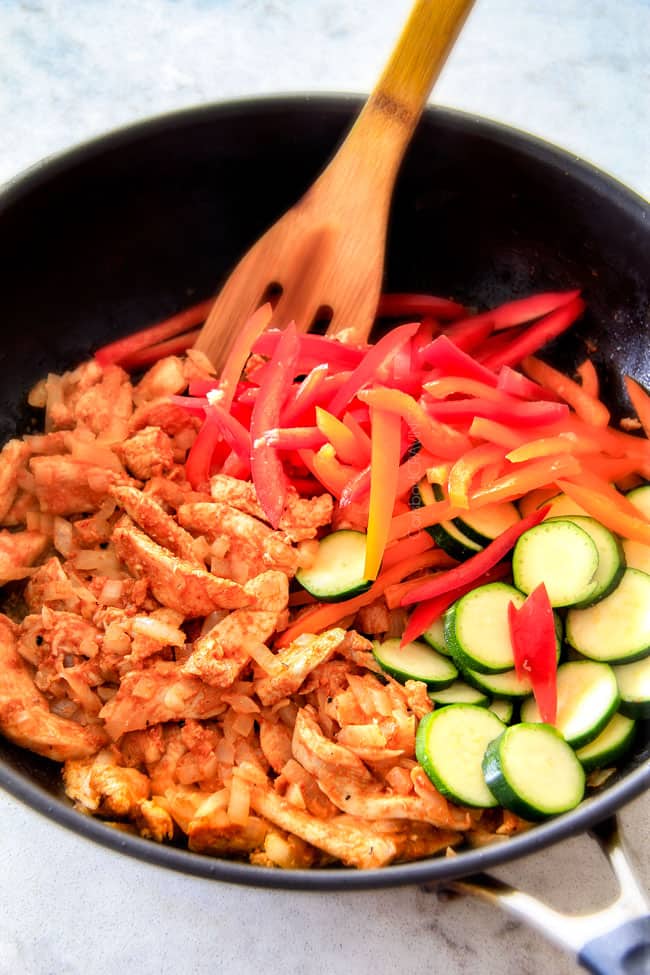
[(575, 73)]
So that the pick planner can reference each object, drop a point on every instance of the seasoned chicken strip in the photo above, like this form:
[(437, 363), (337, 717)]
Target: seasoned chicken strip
[(251, 543), (19, 550), (148, 453), (154, 520), (160, 693), (301, 518), (346, 781), (25, 717), (101, 785), (65, 486), (297, 661), (354, 846), (174, 582), (12, 458)]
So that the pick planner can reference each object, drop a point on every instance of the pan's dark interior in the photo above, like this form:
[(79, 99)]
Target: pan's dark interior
[(131, 228)]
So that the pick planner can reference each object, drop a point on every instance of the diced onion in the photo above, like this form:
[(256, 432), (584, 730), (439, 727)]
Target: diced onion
[(239, 803), (63, 536)]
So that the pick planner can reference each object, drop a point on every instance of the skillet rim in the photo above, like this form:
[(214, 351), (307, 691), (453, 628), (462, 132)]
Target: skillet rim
[(592, 810)]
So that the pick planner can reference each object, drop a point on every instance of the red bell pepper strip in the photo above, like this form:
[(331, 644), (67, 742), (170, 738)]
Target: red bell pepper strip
[(426, 613), (533, 338), (198, 465), (195, 405), (532, 635), (154, 353), (439, 438), (357, 487), (266, 467), (299, 405), (515, 413), (295, 438), (515, 384), (474, 567), (469, 334), (115, 352), (452, 361), (380, 353), (384, 464), (523, 310), (399, 305), (324, 350), (239, 353)]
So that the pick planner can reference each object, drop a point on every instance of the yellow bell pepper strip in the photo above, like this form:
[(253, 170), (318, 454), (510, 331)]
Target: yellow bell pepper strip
[(301, 404), (386, 439), (537, 335), (266, 466), (525, 478), (362, 438), (466, 467), (427, 612), (453, 385), (438, 473), (601, 507), (117, 352), (325, 467), (445, 356), (239, 353), (587, 407), (589, 378), (407, 305), (370, 366), (640, 399), (328, 614), (477, 565), (341, 438), (532, 636), (440, 439)]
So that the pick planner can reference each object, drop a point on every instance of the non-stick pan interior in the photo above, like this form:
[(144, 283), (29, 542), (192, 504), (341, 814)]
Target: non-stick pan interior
[(129, 229)]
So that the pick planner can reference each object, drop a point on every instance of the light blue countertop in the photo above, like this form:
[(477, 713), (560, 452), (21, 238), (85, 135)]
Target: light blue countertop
[(576, 74)]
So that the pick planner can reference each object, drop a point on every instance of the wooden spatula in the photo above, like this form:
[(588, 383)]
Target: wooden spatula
[(326, 253)]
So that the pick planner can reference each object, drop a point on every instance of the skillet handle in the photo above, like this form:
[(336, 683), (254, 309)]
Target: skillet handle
[(612, 941)]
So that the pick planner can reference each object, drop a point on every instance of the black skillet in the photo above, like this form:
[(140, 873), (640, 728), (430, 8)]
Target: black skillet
[(131, 227)]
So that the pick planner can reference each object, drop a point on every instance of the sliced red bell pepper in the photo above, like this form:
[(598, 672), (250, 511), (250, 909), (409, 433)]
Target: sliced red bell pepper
[(515, 413), (532, 635), (537, 335), (266, 467), (523, 310), (300, 404), (195, 405), (402, 305), (380, 353), (444, 355), (475, 566), (461, 385), (439, 438), (427, 612), (154, 353), (516, 384), (384, 465), (469, 334), (198, 465), (319, 348), (357, 487), (362, 438), (295, 438), (240, 351), (116, 352)]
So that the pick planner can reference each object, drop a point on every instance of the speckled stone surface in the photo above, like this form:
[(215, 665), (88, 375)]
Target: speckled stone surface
[(574, 73)]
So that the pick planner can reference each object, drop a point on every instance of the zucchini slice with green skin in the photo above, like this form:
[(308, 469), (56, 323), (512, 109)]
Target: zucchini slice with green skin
[(450, 744), (459, 693), (503, 708), (338, 570), (486, 523), (415, 661), (477, 630), (616, 629), (505, 685), (587, 698), (562, 556), (533, 772), (435, 637), (446, 535), (610, 745), (634, 687), (611, 560)]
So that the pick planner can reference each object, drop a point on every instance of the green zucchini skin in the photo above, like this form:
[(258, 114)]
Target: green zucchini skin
[(611, 744), (447, 535), (617, 629), (533, 772), (338, 570), (560, 554), (611, 557), (476, 618), (415, 661), (634, 687), (459, 693)]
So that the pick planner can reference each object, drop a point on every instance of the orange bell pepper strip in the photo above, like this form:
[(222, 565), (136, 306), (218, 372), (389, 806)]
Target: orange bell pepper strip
[(362, 438), (440, 439), (609, 468), (348, 447), (477, 565), (594, 482), (525, 478), (589, 378), (537, 335), (563, 443), (483, 428), (325, 467), (601, 507), (450, 385), (466, 467), (418, 518), (640, 401), (587, 407), (116, 352), (406, 548), (328, 614), (412, 470), (386, 430)]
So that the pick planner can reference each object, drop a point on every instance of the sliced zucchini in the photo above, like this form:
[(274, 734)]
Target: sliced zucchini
[(460, 693), (610, 745), (450, 744), (634, 687), (637, 555), (477, 630), (435, 637), (617, 629), (487, 523), (415, 661), (562, 556), (611, 561), (505, 685), (533, 772), (338, 571), (447, 535), (503, 708), (587, 697)]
